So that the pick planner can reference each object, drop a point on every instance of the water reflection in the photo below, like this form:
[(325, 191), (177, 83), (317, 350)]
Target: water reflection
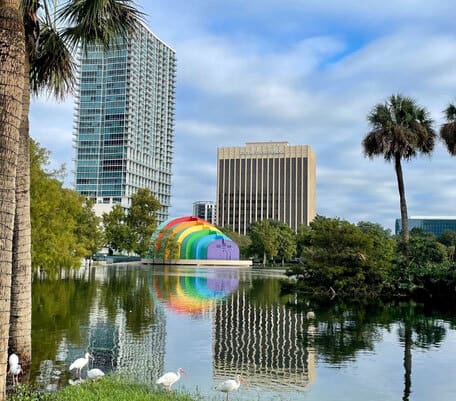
[(197, 293), (218, 323)]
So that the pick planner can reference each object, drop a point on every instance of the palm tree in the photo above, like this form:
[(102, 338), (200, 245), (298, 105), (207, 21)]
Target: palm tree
[(53, 32), (400, 129), (12, 54), (448, 130)]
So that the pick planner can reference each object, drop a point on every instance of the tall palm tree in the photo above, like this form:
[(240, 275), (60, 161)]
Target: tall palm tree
[(400, 129), (53, 32), (448, 130), (12, 53)]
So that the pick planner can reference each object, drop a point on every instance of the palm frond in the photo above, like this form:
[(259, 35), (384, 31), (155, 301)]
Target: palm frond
[(448, 135), (98, 21), (450, 113), (399, 128), (52, 70)]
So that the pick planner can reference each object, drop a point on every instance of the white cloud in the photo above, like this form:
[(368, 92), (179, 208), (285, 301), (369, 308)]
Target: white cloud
[(305, 72)]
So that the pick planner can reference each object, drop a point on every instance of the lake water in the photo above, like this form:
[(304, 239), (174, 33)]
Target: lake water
[(215, 323)]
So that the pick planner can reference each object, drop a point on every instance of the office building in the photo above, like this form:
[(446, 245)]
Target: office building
[(265, 181), (205, 210), (436, 225), (124, 121)]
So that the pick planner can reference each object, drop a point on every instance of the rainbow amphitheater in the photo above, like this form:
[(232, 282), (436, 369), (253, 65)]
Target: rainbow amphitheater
[(196, 242)]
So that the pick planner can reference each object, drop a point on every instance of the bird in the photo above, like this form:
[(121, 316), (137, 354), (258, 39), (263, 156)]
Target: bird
[(79, 363), (230, 385), (168, 379), (95, 373), (15, 368)]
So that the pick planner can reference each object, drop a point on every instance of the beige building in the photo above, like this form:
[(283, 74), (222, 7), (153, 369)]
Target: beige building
[(265, 180)]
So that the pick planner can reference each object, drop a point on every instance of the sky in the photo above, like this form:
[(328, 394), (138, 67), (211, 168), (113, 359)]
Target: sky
[(302, 71)]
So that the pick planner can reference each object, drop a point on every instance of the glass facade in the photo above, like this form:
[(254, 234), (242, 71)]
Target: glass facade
[(124, 121), (434, 225)]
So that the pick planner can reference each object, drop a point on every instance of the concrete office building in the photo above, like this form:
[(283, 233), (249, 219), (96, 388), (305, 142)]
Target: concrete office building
[(124, 121), (205, 210), (265, 180)]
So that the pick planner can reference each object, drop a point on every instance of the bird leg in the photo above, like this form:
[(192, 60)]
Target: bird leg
[(227, 396)]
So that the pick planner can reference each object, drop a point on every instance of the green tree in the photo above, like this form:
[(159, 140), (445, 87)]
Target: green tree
[(142, 220), (116, 231), (448, 238), (12, 56), (264, 239), (166, 247), (88, 229), (448, 130), (60, 237), (339, 255), (400, 129), (286, 241), (303, 235)]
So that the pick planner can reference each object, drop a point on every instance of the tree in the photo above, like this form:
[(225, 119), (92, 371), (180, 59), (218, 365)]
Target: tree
[(117, 233), (167, 247), (400, 129), (448, 130), (303, 235), (12, 59), (286, 238), (264, 239), (448, 238), (341, 256), (64, 226), (142, 220), (51, 37), (88, 229)]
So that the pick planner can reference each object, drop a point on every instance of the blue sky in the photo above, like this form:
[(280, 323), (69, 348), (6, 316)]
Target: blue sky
[(302, 71)]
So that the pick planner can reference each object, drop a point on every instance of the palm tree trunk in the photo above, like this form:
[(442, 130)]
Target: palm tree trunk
[(21, 280), (407, 362), (404, 217), (12, 52)]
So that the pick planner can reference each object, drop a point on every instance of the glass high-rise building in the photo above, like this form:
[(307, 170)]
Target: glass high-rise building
[(124, 121)]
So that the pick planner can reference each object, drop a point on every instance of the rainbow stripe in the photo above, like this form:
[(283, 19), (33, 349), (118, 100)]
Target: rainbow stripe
[(196, 239)]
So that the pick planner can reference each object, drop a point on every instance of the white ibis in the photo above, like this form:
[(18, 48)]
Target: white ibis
[(95, 374), (79, 363), (168, 379), (15, 368), (230, 385)]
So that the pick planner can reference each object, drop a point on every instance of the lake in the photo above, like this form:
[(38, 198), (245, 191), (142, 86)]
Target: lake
[(143, 321)]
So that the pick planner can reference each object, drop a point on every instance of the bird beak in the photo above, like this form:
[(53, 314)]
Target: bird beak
[(184, 372), (91, 357), (242, 379)]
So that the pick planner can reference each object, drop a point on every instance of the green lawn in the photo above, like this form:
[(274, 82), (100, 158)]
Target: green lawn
[(108, 388)]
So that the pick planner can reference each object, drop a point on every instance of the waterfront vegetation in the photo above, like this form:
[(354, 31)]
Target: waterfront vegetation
[(109, 388)]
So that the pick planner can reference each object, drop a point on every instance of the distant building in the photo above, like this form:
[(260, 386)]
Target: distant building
[(205, 210), (265, 180), (431, 224), (124, 121)]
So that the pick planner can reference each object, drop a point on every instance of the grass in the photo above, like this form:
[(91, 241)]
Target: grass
[(109, 388)]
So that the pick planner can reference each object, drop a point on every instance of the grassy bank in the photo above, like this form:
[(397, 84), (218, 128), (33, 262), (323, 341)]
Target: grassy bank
[(109, 388)]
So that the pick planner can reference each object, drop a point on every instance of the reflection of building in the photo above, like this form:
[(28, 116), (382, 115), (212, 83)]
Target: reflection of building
[(261, 342), (265, 180), (432, 224), (124, 121), (204, 210)]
